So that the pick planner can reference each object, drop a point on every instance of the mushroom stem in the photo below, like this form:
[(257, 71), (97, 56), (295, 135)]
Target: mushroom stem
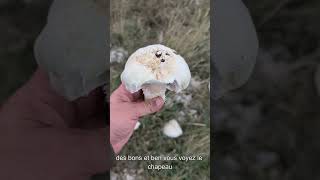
[(151, 91)]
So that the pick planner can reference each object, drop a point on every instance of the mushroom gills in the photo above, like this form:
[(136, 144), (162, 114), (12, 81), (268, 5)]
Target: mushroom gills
[(151, 91)]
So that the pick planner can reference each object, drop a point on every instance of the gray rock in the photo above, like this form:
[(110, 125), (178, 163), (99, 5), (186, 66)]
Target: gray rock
[(118, 55)]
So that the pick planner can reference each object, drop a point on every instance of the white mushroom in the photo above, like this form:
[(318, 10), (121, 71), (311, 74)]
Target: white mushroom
[(232, 62), (72, 47), (172, 129), (154, 69)]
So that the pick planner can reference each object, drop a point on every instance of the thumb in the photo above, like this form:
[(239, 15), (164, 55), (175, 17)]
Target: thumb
[(144, 108)]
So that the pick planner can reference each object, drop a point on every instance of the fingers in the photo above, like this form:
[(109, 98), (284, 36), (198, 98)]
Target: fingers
[(56, 154), (90, 106), (121, 94), (40, 92), (42, 104), (144, 108), (39, 104)]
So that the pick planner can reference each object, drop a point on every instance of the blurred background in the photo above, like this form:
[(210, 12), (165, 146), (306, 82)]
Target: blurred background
[(21, 21), (183, 26), (269, 128)]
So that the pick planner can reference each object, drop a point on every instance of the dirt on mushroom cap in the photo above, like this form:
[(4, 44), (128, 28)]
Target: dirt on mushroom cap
[(161, 70)]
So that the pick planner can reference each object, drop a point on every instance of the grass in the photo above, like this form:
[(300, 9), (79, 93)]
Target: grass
[(183, 26)]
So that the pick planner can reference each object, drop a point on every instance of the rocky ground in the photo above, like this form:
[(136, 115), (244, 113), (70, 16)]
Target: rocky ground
[(269, 128)]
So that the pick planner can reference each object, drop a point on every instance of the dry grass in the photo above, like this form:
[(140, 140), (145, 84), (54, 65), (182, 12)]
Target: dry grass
[(182, 25)]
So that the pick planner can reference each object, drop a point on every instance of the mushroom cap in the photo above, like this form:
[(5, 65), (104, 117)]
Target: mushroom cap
[(156, 64), (235, 46), (72, 47)]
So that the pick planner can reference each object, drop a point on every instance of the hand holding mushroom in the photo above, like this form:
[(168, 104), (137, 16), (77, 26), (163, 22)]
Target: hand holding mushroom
[(154, 69), (125, 110), (151, 70)]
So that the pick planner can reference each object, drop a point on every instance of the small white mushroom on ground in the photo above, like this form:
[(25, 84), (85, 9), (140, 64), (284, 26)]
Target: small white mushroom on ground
[(172, 129), (154, 69)]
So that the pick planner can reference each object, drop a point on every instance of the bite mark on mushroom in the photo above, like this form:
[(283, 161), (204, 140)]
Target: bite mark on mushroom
[(158, 54), (156, 66)]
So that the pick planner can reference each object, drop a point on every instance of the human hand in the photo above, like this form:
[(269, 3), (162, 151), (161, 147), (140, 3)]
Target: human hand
[(125, 111), (44, 136)]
